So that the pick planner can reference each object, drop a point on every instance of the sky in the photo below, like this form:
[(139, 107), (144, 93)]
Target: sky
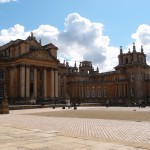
[(91, 30)]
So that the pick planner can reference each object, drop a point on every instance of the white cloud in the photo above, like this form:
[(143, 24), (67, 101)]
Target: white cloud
[(16, 32), (84, 40), (142, 34), (7, 1), (81, 40), (47, 33), (142, 37)]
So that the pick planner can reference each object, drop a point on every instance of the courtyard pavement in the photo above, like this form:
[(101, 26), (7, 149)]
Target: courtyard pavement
[(20, 130)]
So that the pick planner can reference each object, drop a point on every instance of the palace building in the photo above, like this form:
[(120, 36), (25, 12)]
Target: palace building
[(127, 85), (29, 71)]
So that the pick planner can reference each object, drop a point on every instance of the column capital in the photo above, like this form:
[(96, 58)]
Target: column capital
[(45, 68), (22, 64), (27, 65)]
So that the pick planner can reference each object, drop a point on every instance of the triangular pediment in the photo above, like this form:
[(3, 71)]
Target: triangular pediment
[(40, 55)]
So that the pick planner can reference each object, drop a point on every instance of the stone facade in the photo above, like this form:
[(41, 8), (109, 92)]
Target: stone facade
[(127, 85), (33, 71)]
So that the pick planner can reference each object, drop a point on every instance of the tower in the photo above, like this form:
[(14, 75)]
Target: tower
[(86, 67), (134, 64)]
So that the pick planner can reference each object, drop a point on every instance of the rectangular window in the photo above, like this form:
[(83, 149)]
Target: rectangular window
[(1, 90), (41, 76), (93, 93), (31, 75), (1, 74), (105, 92), (88, 93), (99, 93)]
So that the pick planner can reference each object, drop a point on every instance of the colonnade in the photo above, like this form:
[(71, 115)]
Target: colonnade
[(50, 79)]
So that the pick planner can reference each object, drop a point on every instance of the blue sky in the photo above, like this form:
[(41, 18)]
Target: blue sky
[(117, 21)]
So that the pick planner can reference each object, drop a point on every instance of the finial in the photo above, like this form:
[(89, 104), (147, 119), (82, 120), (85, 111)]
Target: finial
[(141, 48), (31, 34), (67, 64), (129, 50), (120, 49), (134, 48), (40, 41)]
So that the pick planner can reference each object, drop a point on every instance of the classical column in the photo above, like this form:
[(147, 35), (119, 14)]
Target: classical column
[(52, 83), (116, 91), (27, 82), (119, 93), (22, 81), (35, 82), (65, 89), (56, 83), (59, 86), (12, 81), (45, 83)]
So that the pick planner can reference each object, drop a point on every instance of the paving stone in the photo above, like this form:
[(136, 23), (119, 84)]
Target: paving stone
[(21, 131)]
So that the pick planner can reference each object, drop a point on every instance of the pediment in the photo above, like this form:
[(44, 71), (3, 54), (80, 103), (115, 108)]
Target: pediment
[(40, 55)]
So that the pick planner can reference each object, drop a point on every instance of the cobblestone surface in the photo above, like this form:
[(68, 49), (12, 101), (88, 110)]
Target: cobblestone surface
[(131, 133)]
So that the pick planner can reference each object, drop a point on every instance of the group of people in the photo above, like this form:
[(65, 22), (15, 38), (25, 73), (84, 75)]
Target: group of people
[(69, 104)]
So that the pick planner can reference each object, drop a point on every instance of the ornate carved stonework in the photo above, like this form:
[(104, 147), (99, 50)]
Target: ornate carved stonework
[(40, 55)]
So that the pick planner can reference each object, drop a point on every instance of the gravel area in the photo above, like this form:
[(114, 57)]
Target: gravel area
[(107, 113)]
